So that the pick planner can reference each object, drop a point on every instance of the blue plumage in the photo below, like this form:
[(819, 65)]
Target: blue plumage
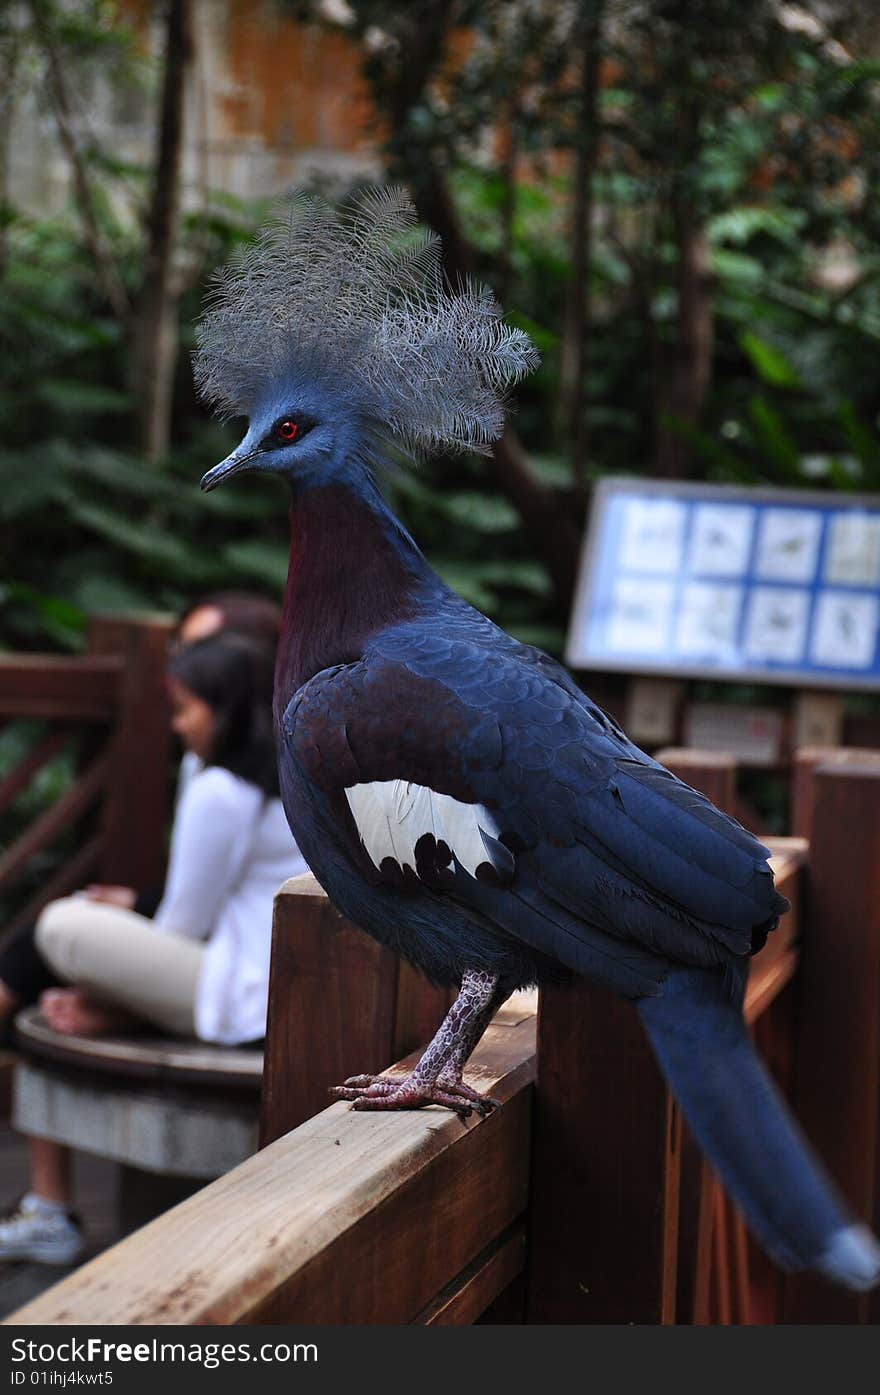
[(455, 792), (612, 854), (701, 1043)]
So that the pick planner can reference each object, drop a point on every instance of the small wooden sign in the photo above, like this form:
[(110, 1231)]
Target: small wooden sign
[(752, 734), (818, 719), (652, 706)]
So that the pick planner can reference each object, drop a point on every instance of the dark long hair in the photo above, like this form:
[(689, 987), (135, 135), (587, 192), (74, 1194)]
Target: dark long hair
[(233, 674)]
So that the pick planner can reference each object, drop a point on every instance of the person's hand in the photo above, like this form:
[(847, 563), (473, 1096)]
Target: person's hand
[(124, 896)]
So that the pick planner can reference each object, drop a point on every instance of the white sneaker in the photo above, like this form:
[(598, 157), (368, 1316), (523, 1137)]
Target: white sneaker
[(48, 1237)]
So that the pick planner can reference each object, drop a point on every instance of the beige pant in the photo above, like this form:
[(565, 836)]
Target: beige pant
[(122, 958)]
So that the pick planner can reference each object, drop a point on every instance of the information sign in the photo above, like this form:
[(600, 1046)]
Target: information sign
[(697, 580)]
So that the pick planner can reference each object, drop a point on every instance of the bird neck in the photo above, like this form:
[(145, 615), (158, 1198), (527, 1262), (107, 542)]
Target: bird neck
[(353, 571)]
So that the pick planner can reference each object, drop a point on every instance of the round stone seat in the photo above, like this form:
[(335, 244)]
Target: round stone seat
[(147, 1056), (177, 1107)]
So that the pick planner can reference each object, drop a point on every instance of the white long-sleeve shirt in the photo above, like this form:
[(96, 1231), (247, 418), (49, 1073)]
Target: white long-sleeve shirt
[(231, 849)]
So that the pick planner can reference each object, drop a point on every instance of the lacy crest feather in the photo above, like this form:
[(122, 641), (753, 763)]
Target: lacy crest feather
[(356, 303)]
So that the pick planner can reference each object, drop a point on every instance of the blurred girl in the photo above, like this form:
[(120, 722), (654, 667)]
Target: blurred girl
[(200, 966)]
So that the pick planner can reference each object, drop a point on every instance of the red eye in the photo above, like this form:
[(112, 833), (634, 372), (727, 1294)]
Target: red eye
[(287, 430)]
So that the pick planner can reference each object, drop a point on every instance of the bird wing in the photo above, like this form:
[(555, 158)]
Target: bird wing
[(478, 775)]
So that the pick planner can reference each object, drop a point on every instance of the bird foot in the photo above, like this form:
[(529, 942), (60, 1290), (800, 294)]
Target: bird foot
[(482, 1104), (382, 1092)]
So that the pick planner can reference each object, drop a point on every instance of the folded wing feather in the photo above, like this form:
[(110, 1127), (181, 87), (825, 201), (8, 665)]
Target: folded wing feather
[(392, 815)]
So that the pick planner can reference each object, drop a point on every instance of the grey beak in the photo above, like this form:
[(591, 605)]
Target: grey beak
[(234, 464)]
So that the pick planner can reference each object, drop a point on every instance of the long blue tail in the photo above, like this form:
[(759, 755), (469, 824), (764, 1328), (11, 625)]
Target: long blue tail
[(741, 1123)]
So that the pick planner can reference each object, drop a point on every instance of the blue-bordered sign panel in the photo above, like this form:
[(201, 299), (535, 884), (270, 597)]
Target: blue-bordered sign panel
[(699, 580)]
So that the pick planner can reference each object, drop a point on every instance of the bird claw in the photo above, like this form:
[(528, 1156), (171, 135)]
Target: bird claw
[(482, 1104), (379, 1092)]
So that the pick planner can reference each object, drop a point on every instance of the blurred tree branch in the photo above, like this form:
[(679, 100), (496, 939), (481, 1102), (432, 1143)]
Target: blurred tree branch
[(10, 54), (578, 317), (404, 52), (155, 328), (105, 266), (682, 391)]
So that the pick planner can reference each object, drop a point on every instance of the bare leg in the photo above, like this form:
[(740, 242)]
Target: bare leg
[(50, 1170), (437, 1077), (74, 1013)]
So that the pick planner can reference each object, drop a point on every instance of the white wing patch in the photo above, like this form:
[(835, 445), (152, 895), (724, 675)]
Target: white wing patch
[(392, 815)]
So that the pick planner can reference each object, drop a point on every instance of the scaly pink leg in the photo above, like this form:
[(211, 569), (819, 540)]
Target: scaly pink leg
[(437, 1077)]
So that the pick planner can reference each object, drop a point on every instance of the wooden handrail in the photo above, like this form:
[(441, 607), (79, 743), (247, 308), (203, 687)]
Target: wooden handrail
[(118, 685), (350, 1218), (614, 1172), (60, 687), (74, 802), (32, 762), (777, 962), (79, 869), (338, 999)]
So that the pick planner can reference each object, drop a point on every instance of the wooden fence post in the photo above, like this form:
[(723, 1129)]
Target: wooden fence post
[(608, 1145), (702, 1210), (838, 1059), (331, 1007), (339, 1004), (806, 760), (603, 1198), (137, 803)]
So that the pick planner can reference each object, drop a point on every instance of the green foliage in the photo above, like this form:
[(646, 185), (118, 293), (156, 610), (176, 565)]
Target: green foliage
[(90, 526), (779, 167), (771, 366)]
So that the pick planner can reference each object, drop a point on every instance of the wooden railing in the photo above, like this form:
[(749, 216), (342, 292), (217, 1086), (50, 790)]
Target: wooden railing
[(623, 1160), (350, 1218), (107, 709), (338, 1000), (588, 1205)]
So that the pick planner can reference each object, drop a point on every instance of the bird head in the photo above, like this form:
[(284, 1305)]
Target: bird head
[(295, 433), (336, 328)]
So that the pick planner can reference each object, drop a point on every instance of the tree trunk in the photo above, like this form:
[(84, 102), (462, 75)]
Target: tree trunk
[(9, 56), (692, 372), (686, 391), (546, 518), (155, 347), (507, 208), (105, 267), (548, 522), (576, 331)]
